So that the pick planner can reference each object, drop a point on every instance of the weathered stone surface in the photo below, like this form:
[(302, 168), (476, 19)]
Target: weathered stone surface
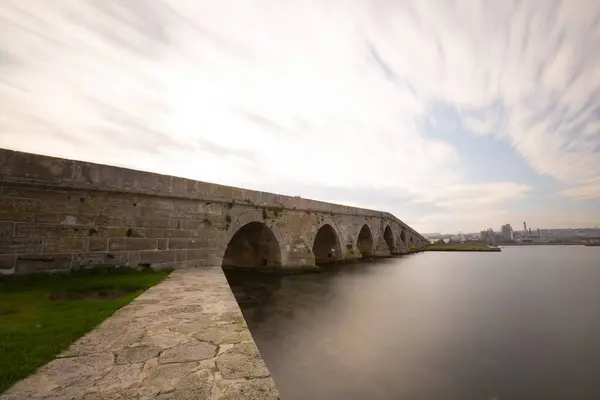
[(126, 394), (42, 263), (65, 245), (131, 355), (165, 377), (122, 377), (190, 351), (147, 350), (242, 361), (254, 389), (63, 377), (232, 333)]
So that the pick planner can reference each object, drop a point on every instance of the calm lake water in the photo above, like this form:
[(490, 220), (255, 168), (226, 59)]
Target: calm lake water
[(521, 324)]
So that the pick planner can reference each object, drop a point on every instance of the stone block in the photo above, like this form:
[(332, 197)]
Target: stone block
[(47, 218), (156, 203), (15, 245), (178, 185), (118, 211), (49, 230), (64, 207), (16, 217), (127, 220), (181, 255), (97, 244), (158, 257), (134, 258), (7, 262), (119, 244), (24, 192), (176, 244), (65, 245), (131, 180), (90, 220), (19, 206), (185, 207), (6, 229), (165, 223), (148, 212), (122, 232), (194, 224), (33, 168), (42, 263), (162, 183), (200, 254), (177, 233), (163, 244), (154, 232), (100, 259)]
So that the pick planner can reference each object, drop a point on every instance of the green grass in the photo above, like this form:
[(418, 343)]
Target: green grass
[(34, 329), (459, 246)]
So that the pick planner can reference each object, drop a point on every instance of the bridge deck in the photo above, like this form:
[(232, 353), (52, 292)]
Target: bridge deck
[(184, 338)]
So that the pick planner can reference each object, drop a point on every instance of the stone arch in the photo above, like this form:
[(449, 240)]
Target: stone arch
[(365, 243), (253, 245), (388, 237), (327, 237), (251, 226)]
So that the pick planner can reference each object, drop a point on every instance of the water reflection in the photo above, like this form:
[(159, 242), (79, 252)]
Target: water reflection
[(520, 324)]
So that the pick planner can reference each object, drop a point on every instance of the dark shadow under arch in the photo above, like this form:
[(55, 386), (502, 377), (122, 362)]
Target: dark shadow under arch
[(325, 240), (388, 236), (365, 243), (253, 245), (403, 238)]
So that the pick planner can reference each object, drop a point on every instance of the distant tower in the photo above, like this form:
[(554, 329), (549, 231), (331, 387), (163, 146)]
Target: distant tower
[(529, 232), (539, 233), (525, 227)]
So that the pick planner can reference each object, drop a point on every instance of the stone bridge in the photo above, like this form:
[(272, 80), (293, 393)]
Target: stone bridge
[(57, 214)]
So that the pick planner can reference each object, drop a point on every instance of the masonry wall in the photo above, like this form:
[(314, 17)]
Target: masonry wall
[(57, 214)]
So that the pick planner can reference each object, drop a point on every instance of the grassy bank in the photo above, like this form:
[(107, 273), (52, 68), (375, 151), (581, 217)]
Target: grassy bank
[(41, 315), (462, 247)]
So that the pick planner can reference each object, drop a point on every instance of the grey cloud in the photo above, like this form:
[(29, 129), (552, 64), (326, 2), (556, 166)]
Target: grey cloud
[(267, 123), (126, 129), (136, 26), (383, 66), (221, 151)]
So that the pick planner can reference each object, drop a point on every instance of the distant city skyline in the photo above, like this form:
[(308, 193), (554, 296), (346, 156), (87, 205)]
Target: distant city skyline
[(499, 230), (450, 114)]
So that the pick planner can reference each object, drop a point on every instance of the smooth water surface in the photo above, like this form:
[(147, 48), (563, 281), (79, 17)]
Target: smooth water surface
[(520, 324)]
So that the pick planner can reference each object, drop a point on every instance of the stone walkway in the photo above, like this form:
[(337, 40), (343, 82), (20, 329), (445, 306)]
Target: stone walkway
[(185, 338)]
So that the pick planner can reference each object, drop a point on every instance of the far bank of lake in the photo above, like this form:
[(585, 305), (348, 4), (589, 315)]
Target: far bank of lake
[(477, 247)]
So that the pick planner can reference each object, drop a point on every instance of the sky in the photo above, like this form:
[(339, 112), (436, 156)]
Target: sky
[(455, 116)]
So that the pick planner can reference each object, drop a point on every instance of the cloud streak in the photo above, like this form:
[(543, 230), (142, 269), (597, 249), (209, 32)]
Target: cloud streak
[(322, 99)]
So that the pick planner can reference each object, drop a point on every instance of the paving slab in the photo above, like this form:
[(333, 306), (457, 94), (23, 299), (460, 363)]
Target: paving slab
[(184, 338)]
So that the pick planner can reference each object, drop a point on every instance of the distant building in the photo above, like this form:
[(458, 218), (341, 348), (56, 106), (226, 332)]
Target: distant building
[(488, 236), (507, 232)]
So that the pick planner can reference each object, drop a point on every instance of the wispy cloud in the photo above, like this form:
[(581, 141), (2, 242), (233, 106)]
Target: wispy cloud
[(326, 100)]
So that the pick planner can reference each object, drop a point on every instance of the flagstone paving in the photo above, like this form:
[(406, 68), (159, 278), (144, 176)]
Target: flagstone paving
[(185, 338)]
